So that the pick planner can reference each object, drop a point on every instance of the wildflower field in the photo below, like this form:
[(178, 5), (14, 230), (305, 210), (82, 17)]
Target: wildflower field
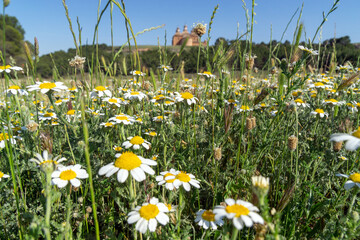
[(227, 153)]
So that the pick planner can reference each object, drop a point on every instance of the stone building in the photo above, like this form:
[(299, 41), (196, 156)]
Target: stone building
[(179, 38)]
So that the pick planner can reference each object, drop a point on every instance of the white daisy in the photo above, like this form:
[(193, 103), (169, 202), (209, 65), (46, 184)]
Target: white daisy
[(133, 95), (190, 99), (8, 68), (107, 124), (45, 87), (47, 116), (148, 215), (353, 140), (113, 101), (126, 162), (136, 142), (319, 112), (159, 118), (185, 179), (100, 91), (301, 103), (122, 118), (354, 180), (6, 137), (207, 74), (72, 173), (244, 108), (308, 50), (14, 90), (166, 68), (206, 219), (241, 212), (137, 73), (333, 102), (167, 178), (46, 161), (3, 175)]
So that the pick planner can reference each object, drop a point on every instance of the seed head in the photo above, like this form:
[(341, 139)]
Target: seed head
[(200, 29), (32, 126), (217, 153), (77, 62), (292, 142)]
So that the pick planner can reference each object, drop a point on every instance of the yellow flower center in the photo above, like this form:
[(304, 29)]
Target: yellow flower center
[(67, 175), (113, 100), (137, 72), (149, 211), (355, 177), (187, 95), (137, 140), (5, 67), (48, 161), (47, 85), (153, 134), (59, 101), (299, 100), (4, 136), (170, 180), (183, 176), (128, 161), (134, 93), (208, 73), (14, 87), (118, 149), (244, 107), (318, 110), (100, 88), (48, 114), (357, 133), (1, 174), (332, 100), (70, 112), (168, 206), (237, 209), (122, 118), (231, 100), (72, 89), (108, 124), (208, 215)]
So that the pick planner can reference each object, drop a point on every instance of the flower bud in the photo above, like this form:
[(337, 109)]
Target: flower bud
[(6, 3)]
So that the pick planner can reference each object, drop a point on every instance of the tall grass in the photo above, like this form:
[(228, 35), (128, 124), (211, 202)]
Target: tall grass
[(223, 135)]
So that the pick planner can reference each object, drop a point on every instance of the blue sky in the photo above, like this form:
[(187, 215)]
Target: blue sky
[(45, 19)]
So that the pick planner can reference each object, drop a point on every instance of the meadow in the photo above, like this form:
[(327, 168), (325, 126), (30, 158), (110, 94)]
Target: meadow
[(230, 153)]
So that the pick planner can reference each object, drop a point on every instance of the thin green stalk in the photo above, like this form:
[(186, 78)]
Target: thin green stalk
[(87, 158), (180, 208), (68, 234), (198, 61), (47, 229), (70, 26), (194, 123), (15, 187)]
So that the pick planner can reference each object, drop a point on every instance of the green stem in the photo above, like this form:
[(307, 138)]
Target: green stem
[(180, 208), (47, 229), (87, 157), (68, 235), (235, 233)]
